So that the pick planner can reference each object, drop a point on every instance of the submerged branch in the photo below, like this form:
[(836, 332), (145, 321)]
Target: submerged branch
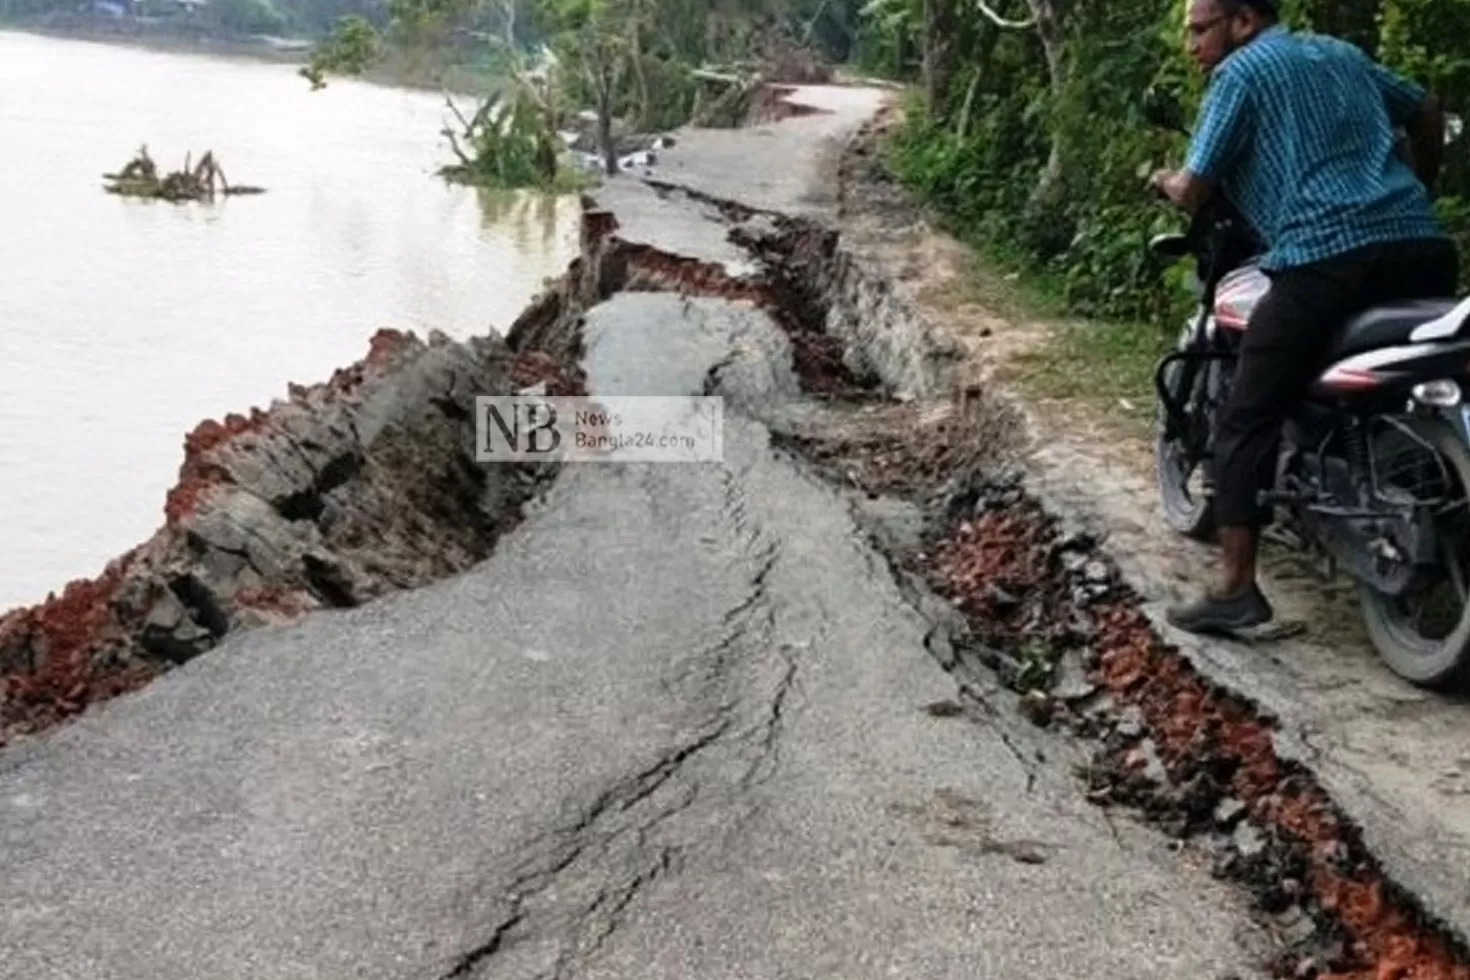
[(465, 159), (195, 182), (464, 123)]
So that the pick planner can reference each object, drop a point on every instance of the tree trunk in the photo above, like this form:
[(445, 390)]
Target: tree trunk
[(605, 92), (811, 25), (962, 125), (605, 136), (713, 50), (641, 76), (940, 25), (1051, 184), (984, 51)]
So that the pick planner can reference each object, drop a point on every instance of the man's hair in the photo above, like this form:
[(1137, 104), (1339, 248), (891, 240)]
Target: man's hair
[(1267, 10)]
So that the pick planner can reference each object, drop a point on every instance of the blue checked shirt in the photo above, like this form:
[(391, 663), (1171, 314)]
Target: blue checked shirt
[(1298, 130)]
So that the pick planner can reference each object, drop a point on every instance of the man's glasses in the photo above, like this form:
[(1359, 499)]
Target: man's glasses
[(1201, 28)]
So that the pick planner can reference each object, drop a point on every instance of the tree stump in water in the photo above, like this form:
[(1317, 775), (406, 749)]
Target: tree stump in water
[(201, 182)]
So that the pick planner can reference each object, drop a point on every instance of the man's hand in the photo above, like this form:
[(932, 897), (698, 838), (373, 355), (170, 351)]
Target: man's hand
[(1182, 188)]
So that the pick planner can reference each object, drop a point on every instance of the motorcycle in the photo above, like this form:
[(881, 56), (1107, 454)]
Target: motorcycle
[(1374, 466)]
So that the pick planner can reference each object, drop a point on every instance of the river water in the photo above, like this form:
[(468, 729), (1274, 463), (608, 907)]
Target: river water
[(123, 323)]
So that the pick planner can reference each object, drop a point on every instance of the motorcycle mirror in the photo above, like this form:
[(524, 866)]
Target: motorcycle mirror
[(1163, 110)]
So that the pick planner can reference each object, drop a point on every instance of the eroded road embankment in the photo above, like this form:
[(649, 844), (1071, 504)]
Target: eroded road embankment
[(1391, 759), (345, 491), (663, 720), (682, 721), (1047, 618)]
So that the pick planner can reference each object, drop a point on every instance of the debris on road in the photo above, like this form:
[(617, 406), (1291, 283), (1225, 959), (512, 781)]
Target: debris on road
[(1194, 759)]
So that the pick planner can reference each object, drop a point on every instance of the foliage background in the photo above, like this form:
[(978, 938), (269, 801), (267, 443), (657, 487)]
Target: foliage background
[(1027, 140), (979, 168)]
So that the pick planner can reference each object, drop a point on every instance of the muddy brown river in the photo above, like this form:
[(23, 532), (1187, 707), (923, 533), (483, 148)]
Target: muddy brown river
[(124, 323)]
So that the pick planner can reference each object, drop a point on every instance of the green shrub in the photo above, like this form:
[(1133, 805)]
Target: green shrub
[(980, 171)]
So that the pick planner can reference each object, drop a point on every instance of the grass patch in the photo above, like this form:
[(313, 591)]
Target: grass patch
[(1109, 366), (993, 281), (1104, 366)]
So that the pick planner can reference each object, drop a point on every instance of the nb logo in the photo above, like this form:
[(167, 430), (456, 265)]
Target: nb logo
[(519, 428)]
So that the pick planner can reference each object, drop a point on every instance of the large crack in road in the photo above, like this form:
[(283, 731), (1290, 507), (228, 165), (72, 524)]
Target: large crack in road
[(1312, 876), (702, 721), (683, 722)]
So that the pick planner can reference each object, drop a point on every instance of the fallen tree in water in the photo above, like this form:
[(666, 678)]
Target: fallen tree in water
[(201, 182), (510, 141)]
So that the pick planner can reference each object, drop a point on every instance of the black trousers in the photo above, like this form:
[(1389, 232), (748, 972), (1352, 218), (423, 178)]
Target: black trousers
[(1285, 346)]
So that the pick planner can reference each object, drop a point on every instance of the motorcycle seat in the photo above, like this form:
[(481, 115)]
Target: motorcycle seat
[(1384, 326)]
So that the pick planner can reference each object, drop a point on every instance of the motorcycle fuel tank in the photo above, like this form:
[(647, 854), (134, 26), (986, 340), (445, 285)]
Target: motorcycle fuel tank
[(1238, 294)]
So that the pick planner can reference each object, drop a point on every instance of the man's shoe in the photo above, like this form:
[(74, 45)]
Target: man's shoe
[(1213, 614)]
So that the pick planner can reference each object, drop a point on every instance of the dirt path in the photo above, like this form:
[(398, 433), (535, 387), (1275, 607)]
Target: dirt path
[(1396, 758)]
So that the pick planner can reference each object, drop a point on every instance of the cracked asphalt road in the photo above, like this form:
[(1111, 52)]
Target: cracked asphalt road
[(674, 727)]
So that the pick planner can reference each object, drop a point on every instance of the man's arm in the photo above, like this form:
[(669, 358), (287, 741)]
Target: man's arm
[(1220, 137), (1183, 188), (1411, 107)]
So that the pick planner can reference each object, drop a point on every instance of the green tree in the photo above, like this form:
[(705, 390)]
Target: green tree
[(349, 51), (631, 60), (1027, 133)]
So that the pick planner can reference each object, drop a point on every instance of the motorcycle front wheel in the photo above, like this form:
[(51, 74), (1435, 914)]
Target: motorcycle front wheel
[(1424, 637), (1188, 509)]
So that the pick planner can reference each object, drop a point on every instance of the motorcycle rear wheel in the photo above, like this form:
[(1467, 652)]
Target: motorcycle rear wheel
[(1187, 509), (1433, 662)]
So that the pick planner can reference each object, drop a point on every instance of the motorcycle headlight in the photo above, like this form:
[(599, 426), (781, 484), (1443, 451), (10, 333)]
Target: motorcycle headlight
[(1443, 393)]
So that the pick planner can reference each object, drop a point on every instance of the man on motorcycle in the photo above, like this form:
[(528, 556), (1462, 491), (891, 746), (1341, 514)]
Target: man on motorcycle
[(1298, 131)]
